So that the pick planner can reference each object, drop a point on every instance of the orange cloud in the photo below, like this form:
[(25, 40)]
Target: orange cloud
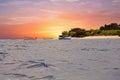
[(53, 25), (91, 20)]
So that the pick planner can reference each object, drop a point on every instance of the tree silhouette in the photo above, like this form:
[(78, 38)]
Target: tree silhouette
[(110, 29), (112, 26)]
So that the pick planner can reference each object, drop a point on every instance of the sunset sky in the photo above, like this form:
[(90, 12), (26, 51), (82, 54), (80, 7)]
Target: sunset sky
[(48, 18)]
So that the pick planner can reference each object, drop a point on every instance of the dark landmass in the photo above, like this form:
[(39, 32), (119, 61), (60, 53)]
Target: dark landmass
[(112, 29)]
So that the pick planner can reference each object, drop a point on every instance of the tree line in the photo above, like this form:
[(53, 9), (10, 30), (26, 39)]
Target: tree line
[(110, 29)]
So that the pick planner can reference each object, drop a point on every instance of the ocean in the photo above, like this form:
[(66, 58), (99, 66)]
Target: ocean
[(52, 59)]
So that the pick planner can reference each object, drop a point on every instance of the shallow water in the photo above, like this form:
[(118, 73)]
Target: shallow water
[(80, 59)]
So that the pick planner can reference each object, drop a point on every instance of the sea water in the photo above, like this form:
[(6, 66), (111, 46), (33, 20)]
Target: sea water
[(77, 59)]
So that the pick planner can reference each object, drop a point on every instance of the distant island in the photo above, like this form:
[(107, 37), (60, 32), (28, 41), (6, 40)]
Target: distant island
[(112, 29)]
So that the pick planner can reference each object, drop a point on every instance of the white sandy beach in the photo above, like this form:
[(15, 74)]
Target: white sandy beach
[(92, 37), (98, 37), (77, 59)]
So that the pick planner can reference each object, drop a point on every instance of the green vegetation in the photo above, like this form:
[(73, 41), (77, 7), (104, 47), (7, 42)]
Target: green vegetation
[(65, 33), (112, 26), (106, 30)]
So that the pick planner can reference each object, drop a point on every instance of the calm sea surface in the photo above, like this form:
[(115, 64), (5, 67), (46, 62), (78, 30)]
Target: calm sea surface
[(78, 59)]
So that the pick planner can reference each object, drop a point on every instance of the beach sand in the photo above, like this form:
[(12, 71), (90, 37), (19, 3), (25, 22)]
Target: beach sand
[(77, 59), (92, 37)]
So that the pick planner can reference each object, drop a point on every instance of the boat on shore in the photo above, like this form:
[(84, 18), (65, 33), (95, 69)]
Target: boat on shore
[(30, 38), (64, 38)]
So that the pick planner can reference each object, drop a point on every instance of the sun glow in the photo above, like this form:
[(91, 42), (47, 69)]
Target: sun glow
[(52, 28), (56, 30)]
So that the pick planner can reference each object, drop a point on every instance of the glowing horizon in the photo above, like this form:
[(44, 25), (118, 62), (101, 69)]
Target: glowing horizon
[(48, 18)]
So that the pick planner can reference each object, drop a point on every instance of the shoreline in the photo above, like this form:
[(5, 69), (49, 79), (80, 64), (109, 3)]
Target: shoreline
[(87, 37), (97, 37)]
